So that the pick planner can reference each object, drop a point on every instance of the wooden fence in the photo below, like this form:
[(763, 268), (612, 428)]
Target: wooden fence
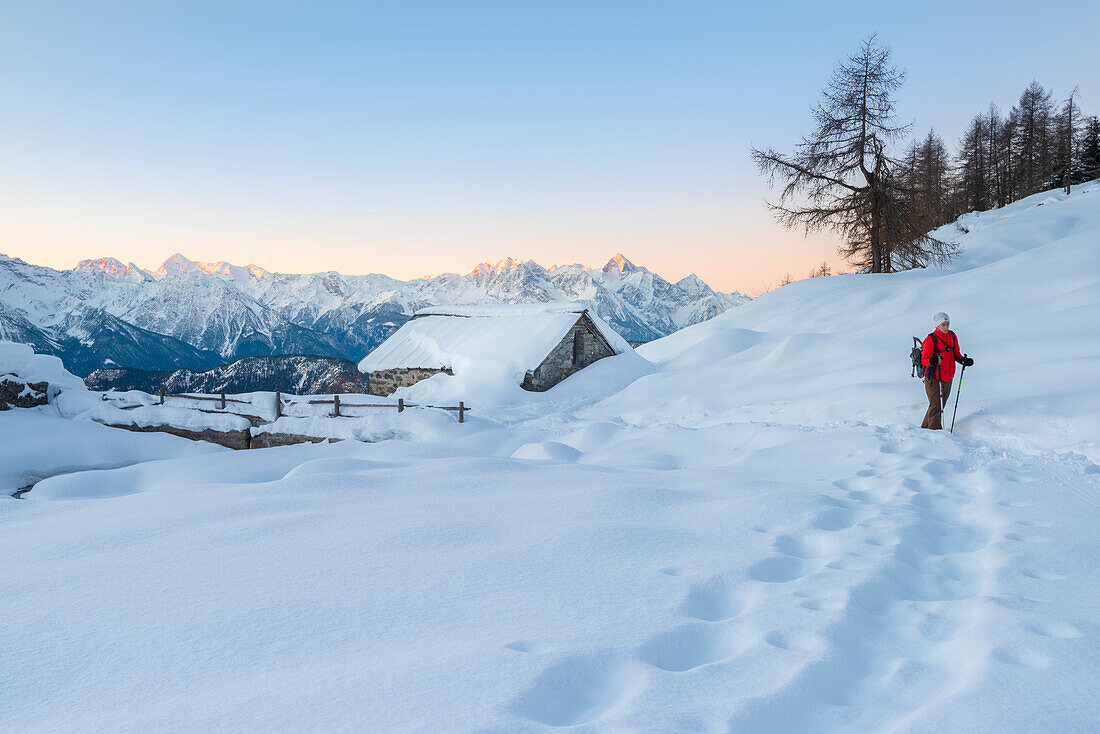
[(401, 405), (335, 401), (220, 397)]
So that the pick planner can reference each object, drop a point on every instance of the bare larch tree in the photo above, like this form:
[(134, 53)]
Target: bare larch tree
[(1065, 155), (842, 178)]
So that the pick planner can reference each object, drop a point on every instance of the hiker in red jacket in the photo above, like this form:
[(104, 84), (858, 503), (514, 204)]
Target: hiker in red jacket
[(939, 353)]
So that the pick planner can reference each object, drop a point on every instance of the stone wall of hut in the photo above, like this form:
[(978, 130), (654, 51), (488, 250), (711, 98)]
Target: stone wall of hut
[(582, 346), (384, 382)]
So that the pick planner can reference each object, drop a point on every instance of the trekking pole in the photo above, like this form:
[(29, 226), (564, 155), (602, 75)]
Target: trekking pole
[(963, 372)]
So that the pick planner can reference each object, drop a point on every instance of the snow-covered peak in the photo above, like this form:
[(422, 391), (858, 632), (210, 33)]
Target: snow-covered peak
[(236, 272), (503, 266), (177, 264), (221, 267), (619, 265), (113, 267), (692, 283), (570, 266), (109, 265)]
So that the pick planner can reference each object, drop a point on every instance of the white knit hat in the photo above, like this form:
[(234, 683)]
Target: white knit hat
[(939, 319)]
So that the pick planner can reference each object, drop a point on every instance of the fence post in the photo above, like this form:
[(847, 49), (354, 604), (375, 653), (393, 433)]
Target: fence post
[(400, 404), (336, 404), (278, 405), (461, 412), (162, 396), (223, 401)]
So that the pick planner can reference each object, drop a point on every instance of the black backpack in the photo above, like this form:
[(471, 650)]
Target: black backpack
[(915, 356)]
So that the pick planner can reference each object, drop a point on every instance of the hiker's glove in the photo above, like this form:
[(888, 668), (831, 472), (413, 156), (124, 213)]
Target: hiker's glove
[(934, 360), (967, 362)]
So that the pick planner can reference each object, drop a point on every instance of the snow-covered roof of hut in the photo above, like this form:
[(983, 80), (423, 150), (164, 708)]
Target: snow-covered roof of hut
[(516, 337)]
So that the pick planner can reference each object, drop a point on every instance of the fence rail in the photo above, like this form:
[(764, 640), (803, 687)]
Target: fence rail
[(220, 397), (280, 401), (401, 405)]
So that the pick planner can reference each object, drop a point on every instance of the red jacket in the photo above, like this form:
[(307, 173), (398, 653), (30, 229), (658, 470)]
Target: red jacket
[(947, 346)]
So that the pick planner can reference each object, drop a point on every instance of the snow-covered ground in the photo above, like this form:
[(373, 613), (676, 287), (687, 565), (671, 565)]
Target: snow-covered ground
[(738, 529)]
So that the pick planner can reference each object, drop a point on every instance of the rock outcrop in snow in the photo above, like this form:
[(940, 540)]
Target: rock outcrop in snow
[(28, 380)]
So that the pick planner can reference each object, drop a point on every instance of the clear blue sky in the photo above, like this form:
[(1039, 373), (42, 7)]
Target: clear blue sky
[(420, 137)]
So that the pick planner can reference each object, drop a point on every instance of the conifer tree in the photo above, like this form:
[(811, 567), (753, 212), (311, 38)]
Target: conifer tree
[(844, 174), (974, 166), (998, 156), (1033, 140), (1064, 163), (1090, 150)]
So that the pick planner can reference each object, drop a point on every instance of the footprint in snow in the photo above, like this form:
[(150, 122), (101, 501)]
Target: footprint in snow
[(835, 519), (1034, 524), (716, 600), (779, 569), (1021, 603), (1041, 574), (690, 646), (529, 646), (806, 544), (938, 469), (938, 628), (580, 689), (1046, 628), (828, 604), (796, 641), (1022, 656), (852, 562)]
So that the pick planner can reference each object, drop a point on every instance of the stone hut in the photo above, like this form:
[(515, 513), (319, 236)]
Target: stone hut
[(537, 345)]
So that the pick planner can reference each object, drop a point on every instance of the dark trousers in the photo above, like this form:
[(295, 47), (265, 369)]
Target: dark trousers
[(937, 392)]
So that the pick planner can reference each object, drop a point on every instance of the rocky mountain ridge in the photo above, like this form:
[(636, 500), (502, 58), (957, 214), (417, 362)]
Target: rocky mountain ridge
[(193, 314), (293, 374)]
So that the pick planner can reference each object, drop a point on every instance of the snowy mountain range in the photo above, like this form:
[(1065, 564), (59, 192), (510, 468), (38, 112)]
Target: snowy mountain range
[(106, 313)]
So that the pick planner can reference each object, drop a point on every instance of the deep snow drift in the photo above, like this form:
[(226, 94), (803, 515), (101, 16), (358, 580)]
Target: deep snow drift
[(738, 529)]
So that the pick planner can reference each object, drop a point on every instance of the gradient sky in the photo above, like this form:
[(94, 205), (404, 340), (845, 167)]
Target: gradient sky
[(421, 137)]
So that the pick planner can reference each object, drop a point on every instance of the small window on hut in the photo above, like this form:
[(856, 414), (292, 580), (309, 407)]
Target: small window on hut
[(578, 347)]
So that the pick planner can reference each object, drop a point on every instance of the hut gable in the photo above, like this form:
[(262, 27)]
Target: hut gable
[(582, 345), (538, 345)]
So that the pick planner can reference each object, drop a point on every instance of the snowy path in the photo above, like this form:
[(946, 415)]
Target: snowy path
[(907, 631), (891, 600), (832, 579)]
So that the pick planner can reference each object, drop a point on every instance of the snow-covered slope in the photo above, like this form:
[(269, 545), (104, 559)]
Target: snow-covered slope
[(233, 311), (740, 530), (1023, 299)]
